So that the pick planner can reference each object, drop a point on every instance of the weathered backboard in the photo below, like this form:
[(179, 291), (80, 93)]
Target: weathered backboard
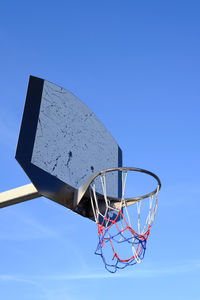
[(62, 143)]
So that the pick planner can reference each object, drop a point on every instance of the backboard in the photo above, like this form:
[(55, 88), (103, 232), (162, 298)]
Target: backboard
[(62, 143)]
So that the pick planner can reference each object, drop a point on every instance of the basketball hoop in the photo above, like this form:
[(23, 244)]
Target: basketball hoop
[(115, 229)]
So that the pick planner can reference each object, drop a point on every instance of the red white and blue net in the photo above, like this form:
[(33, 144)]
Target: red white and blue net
[(121, 240)]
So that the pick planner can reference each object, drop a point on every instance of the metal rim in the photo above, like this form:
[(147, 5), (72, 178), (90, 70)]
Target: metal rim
[(122, 169)]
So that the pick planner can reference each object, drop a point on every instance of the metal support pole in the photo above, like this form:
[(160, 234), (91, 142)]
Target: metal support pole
[(20, 194)]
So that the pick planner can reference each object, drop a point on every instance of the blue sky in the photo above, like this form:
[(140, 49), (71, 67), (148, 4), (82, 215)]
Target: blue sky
[(136, 65)]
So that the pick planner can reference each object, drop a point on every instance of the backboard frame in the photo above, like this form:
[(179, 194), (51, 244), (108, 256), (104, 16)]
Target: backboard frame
[(58, 190)]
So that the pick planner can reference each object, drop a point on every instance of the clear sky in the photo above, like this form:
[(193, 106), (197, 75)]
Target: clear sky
[(136, 65)]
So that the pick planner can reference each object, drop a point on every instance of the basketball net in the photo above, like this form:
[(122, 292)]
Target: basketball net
[(118, 235)]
